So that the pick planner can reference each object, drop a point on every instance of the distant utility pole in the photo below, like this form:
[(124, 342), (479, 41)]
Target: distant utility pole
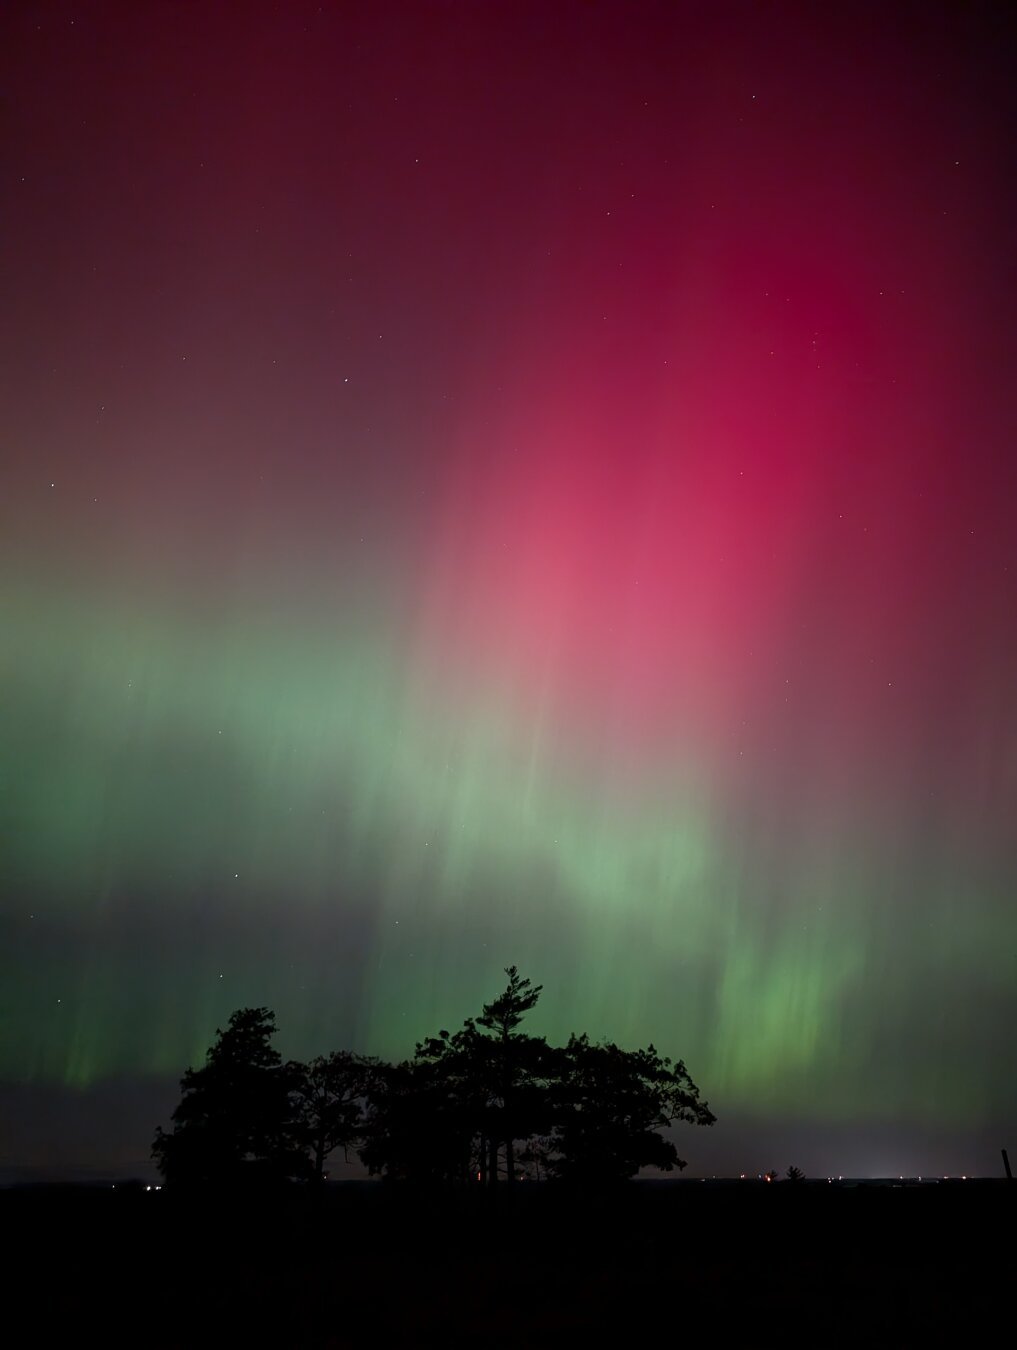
[(1006, 1165)]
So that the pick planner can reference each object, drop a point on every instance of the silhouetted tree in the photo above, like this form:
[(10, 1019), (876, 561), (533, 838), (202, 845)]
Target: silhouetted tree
[(465, 1098), (416, 1127), (517, 1100), (331, 1093), (795, 1174), (498, 1075), (610, 1106), (459, 1074), (236, 1119)]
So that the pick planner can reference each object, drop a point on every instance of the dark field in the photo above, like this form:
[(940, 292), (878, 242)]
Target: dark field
[(369, 1266)]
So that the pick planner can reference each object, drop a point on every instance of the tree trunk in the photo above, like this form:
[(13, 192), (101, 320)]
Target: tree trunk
[(510, 1162), (492, 1162)]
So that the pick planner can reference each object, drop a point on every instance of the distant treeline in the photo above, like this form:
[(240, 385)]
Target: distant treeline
[(486, 1104)]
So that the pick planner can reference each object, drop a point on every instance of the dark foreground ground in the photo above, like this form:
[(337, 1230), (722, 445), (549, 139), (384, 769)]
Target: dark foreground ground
[(654, 1266)]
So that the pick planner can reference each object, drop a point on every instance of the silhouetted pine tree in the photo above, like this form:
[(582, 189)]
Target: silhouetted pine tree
[(237, 1118)]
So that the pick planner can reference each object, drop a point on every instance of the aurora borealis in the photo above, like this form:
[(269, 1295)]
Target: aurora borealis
[(515, 483)]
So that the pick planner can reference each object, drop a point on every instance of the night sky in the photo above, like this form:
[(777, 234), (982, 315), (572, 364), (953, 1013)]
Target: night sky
[(488, 483)]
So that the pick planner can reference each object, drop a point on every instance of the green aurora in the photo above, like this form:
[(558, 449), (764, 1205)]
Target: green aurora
[(232, 792)]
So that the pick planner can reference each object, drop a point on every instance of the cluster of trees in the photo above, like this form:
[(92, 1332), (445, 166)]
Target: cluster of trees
[(488, 1103)]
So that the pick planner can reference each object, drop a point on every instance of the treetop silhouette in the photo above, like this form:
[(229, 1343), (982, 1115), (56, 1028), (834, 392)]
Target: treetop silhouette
[(235, 1120)]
